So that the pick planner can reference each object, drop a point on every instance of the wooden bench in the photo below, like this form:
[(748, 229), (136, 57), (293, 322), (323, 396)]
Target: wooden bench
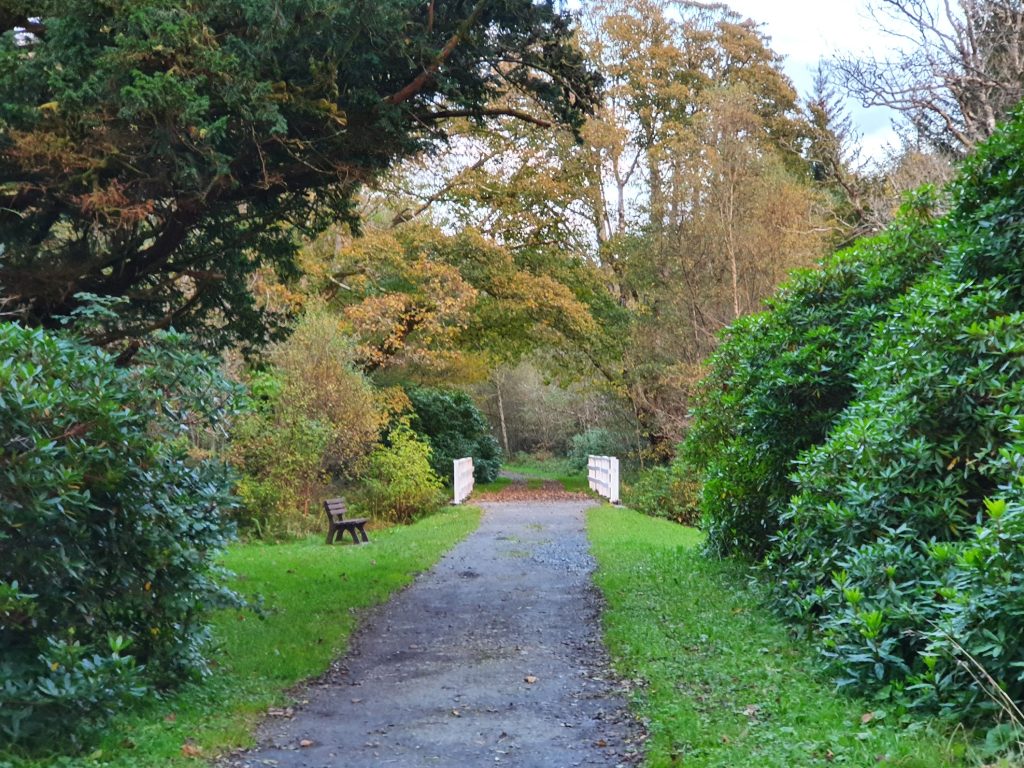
[(335, 509)]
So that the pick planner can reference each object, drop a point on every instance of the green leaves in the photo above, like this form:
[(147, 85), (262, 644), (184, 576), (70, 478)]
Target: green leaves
[(178, 141), (781, 377), (108, 526), (455, 429), (864, 436)]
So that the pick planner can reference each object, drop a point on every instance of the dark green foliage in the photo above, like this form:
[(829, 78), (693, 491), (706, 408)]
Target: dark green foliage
[(152, 149), (108, 527), (669, 492), (780, 377), (905, 538), (455, 428), (880, 434)]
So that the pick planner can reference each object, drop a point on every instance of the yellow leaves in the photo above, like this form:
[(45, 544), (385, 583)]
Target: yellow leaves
[(417, 296)]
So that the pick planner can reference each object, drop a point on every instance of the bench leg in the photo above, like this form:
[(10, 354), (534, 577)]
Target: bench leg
[(330, 534), (352, 530), (362, 533)]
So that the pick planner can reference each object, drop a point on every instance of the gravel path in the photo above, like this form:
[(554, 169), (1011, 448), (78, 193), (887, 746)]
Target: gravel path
[(491, 658)]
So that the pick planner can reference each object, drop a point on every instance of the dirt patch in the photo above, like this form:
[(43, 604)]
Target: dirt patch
[(525, 490), (488, 659)]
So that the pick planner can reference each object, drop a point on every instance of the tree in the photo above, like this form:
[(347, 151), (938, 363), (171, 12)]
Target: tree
[(159, 151), (684, 203), (699, 142), (963, 75), (314, 417), (419, 300)]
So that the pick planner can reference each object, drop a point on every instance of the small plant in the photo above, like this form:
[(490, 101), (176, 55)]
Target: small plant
[(669, 492), (594, 442)]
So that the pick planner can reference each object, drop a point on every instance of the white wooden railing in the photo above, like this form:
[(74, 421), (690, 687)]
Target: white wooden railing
[(603, 476), (462, 484)]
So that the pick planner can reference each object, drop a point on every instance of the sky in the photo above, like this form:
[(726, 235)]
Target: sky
[(805, 31)]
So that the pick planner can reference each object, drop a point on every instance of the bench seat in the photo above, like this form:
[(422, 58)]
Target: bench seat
[(337, 523)]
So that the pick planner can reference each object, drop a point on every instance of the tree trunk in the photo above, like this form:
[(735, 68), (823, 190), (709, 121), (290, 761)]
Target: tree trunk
[(501, 418)]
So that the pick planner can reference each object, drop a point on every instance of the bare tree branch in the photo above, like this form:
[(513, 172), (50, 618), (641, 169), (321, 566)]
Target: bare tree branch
[(964, 73)]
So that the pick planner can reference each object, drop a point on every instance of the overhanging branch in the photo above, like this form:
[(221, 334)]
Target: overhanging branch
[(447, 114), (424, 77)]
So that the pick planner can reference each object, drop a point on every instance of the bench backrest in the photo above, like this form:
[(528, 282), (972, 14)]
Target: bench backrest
[(335, 509)]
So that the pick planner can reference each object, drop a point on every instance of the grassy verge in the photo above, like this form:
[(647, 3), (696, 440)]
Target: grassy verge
[(492, 487), (549, 469), (725, 684), (311, 595)]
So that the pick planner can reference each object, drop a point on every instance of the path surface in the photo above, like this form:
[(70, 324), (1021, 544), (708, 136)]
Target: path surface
[(491, 658)]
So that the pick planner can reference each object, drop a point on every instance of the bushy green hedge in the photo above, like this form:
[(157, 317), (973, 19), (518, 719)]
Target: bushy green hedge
[(111, 514), (904, 543), (669, 492), (866, 433), (311, 417), (455, 429), (780, 377)]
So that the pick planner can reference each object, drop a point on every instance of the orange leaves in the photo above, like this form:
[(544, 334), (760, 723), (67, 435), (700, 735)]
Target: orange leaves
[(417, 296)]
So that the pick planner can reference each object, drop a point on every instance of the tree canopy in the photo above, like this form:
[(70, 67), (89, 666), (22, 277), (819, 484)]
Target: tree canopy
[(162, 151)]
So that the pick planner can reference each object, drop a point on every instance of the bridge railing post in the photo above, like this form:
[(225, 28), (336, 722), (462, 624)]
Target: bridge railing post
[(462, 479), (603, 476)]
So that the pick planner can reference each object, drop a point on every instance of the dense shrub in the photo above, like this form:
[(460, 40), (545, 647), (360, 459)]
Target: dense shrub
[(455, 428), (281, 453), (597, 441), (397, 483), (669, 492), (905, 538), (312, 417), (111, 514), (779, 378)]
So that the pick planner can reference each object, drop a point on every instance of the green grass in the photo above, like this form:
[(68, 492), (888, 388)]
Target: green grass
[(493, 486), (549, 469), (724, 682), (312, 599)]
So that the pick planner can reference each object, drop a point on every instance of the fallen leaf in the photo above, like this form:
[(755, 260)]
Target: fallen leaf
[(170, 718), (190, 749), (830, 755), (456, 713), (867, 717), (530, 679), (601, 743), (306, 743)]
